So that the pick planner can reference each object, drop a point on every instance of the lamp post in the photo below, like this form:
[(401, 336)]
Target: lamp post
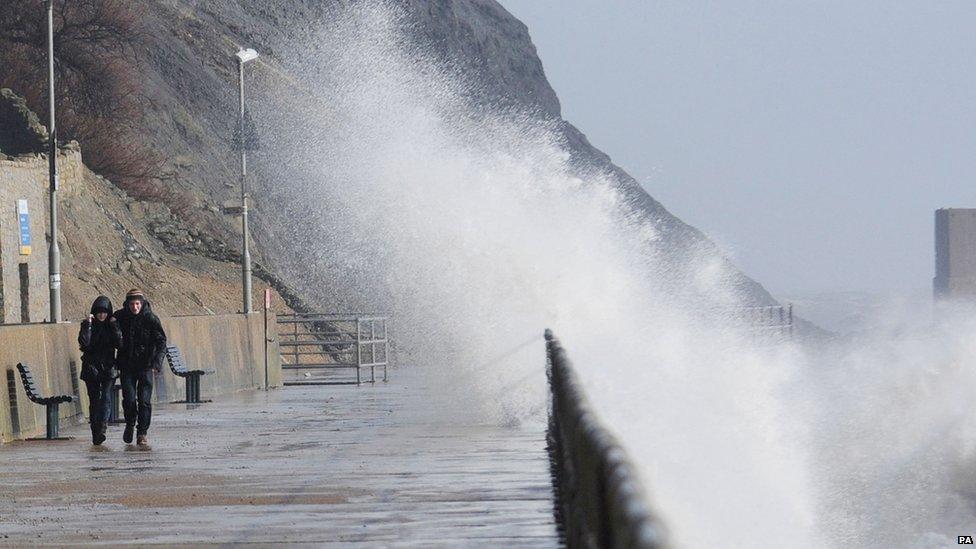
[(54, 251), (243, 56)]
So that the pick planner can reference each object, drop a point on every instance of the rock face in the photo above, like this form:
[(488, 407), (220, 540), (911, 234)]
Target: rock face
[(486, 41), (190, 83), (20, 130)]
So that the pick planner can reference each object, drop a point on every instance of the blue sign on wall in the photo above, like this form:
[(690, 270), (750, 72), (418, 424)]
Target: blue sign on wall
[(23, 217)]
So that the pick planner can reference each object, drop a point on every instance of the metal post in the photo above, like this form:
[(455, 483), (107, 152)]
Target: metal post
[(372, 347), (386, 348), (246, 256), (790, 310), (113, 416), (359, 351), (266, 300), (54, 251), (295, 348), (52, 421)]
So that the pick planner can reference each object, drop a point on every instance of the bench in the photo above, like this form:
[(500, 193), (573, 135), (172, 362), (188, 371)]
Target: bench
[(176, 363), (113, 415), (52, 403)]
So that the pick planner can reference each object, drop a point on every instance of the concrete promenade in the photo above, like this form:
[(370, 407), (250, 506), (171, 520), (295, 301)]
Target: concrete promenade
[(322, 466)]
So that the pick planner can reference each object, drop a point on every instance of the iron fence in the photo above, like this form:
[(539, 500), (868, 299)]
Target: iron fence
[(333, 349), (763, 324), (599, 500)]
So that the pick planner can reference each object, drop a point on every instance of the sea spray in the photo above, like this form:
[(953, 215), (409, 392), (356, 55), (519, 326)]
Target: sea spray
[(476, 230)]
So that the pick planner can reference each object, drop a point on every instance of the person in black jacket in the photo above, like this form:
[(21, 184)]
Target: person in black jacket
[(142, 351), (98, 338)]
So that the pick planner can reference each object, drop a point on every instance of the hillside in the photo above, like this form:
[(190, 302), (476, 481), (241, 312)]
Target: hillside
[(109, 242), (190, 99)]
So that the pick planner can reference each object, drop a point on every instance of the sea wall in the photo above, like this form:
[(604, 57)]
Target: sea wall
[(231, 345)]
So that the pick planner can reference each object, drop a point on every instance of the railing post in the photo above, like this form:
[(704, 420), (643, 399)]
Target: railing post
[(295, 348), (790, 314), (359, 350)]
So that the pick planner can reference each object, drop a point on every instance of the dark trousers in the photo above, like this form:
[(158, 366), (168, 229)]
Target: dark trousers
[(137, 398), (99, 400)]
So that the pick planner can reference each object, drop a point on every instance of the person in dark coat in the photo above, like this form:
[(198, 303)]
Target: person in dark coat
[(98, 339), (142, 352)]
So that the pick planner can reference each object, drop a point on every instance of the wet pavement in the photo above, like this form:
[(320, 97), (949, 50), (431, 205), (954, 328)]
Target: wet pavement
[(320, 466)]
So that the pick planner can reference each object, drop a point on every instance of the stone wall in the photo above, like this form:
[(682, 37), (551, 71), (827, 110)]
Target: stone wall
[(26, 178), (232, 345)]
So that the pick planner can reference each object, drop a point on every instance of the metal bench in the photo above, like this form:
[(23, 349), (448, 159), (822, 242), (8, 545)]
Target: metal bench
[(116, 395), (52, 403), (176, 363)]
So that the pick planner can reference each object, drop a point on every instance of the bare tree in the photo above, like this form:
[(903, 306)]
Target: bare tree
[(98, 93)]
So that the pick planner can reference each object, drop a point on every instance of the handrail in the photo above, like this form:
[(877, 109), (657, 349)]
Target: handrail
[(337, 341), (600, 498)]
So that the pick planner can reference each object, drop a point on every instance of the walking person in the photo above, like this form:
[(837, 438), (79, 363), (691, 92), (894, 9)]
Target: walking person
[(98, 338), (142, 351)]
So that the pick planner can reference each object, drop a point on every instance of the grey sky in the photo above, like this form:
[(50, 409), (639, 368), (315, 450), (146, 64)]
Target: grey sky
[(812, 141)]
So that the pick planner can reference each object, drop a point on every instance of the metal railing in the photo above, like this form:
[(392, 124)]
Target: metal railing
[(763, 324), (776, 318), (599, 499), (326, 349)]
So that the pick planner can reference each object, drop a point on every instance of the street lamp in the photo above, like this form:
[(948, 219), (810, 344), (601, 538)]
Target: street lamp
[(243, 56), (54, 251)]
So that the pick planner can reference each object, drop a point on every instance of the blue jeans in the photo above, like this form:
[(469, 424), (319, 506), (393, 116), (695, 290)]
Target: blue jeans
[(137, 398), (99, 400)]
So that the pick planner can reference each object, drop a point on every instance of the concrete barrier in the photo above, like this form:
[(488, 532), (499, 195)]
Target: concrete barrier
[(600, 501), (232, 345)]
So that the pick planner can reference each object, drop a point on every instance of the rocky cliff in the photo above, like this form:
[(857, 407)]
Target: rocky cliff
[(185, 62)]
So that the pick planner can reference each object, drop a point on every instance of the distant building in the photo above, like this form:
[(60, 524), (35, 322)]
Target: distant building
[(955, 253)]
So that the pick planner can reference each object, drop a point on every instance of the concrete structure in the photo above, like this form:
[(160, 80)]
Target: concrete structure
[(955, 253), (24, 295), (233, 345)]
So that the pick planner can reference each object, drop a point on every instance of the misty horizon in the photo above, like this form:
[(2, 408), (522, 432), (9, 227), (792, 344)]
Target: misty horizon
[(812, 143)]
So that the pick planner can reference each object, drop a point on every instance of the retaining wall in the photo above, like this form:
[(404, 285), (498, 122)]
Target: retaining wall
[(26, 178), (232, 345), (599, 498)]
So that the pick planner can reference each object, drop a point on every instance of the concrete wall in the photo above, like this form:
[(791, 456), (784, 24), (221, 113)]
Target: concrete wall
[(955, 252), (233, 345), (26, 177)]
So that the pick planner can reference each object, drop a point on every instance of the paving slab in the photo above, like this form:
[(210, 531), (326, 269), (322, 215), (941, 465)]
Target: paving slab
[(317, 466)]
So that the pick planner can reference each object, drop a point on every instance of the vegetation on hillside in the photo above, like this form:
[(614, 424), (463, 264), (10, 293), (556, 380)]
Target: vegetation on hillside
[(98, 89)]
